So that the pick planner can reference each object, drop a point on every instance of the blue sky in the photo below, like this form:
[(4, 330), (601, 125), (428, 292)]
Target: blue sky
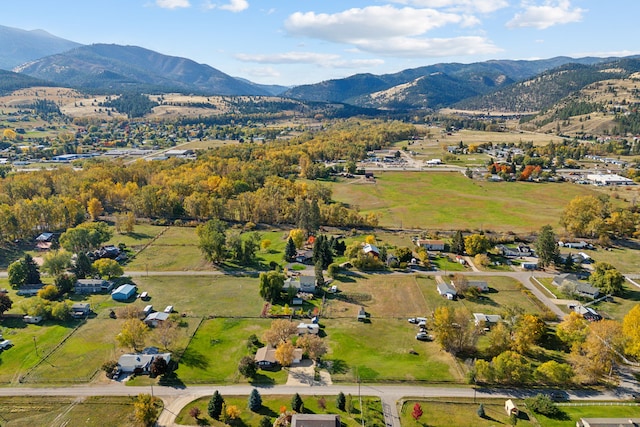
[(291, 42)]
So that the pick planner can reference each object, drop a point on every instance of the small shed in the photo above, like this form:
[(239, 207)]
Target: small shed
[(80, 309), (124, 292), (511, 408), (308, 328), (155, 318), (362, 315), (32, 319)]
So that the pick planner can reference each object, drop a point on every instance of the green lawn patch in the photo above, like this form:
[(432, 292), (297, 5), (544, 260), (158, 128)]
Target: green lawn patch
[(444, 263), (439, 413), (379, 351), (571, 414), (406, 199), (271, 405)]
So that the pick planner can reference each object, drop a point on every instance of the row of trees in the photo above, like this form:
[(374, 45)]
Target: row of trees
[(594, 217)]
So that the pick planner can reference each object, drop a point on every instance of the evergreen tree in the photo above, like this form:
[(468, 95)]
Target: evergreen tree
[(480, 411), (457, 243), (290, 250), (255, 400), (340, 401), (315, 217), (32, 270), (82, 267), (215, 405), (319, 275), (546, 246), (297, 404)]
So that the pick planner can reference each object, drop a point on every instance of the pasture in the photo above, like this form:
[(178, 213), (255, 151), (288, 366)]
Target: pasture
[(67, 411), (449, 201)]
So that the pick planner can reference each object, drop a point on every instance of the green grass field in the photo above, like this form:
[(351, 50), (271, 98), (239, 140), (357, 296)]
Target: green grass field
[(271, 405), (449, 201)]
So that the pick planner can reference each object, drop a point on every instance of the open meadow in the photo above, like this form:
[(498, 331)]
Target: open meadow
[(67, 411), (449, 201)]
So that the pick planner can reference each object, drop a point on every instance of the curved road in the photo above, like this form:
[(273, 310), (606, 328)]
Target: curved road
[(176, 398)]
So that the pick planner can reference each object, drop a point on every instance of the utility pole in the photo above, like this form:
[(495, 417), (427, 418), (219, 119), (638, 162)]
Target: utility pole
[(36, 346), (360, 399)]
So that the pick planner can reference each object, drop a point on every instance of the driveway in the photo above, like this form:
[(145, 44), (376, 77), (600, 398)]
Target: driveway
[(303, 374)]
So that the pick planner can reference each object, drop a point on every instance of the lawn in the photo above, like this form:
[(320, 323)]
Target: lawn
[(175, 249), (441, 413), (571, 414), (271, 405), (451, 201), (379, 351), (202, 296), (67, 411), (504, 291), (214, 352)]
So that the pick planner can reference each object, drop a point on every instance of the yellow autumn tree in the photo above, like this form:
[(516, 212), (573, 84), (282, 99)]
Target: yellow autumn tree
[(95, 209)]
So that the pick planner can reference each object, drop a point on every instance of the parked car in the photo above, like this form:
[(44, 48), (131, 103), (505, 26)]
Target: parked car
[(423, 336), (4, 344), (412, 320)]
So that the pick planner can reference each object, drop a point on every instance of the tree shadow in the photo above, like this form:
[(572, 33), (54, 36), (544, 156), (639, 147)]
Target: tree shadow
[(267, 412), (337, 366), (194, 359), (170, 379), (262, 380)]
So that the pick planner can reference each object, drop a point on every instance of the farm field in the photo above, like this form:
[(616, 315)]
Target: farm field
[(449, 200), (61, 411), (272, 404)]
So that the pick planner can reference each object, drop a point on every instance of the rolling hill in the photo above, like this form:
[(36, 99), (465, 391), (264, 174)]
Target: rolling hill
[(116, 68), (19, 46)]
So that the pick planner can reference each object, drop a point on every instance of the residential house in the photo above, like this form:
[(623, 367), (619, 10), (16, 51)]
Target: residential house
[(305, 284), (515, 251), (481, 285), (581, 289), (124, 292), (486, 320), (370, 249), (431, 245), (80, 309), (315, 420), (32, 319), (266, 357), (446, 291), (93, 286), (587, 291), (140, 362), (44, 241), (560, 278), (153, 319), (308, 328), (30, 289), (304, 256), (587, 312)]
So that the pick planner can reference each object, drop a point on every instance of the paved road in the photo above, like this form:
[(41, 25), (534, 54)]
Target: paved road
[(176, 398)]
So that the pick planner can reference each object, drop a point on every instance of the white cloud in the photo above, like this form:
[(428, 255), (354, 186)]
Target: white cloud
[(261, 72), (375, 22), (434, 47), (548, 14), (289, 58), (325, 60), (481, 6), (172, 4), (236, 6)]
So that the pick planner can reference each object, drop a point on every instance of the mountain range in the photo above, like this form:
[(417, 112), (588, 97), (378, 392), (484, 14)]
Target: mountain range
[(37, 57)]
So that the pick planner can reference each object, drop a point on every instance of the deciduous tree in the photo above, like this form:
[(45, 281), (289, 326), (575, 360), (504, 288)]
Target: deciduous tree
[(281, 331), (56, 262), (5, 304), (631, 331), (454, 329), (248, 367), (284, 354), (476, 244), (606, 278), (552, 372), (94, 208), (584, 216), (108, 268), (133, 334), (527, 332), (212, 240), (271, 284), (145, 409), (573, 329), (313, 346)]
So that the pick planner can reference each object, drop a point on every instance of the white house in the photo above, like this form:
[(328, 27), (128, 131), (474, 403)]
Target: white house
[(140, 362), (301, 283), (446, 291)]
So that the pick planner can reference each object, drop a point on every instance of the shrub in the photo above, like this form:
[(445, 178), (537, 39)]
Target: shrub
[(542, 404)]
